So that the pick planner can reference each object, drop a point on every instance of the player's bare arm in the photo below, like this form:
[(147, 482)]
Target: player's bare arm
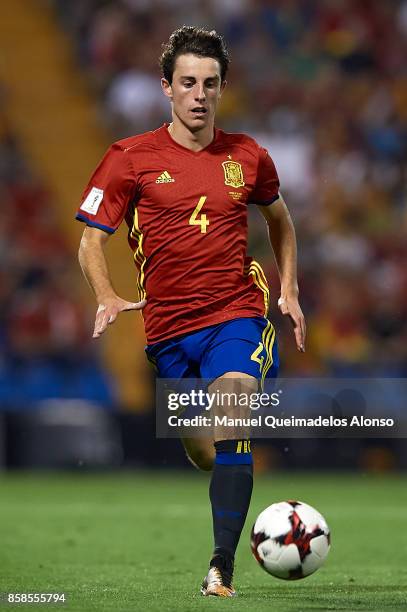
[(94, 266), (283, 240)]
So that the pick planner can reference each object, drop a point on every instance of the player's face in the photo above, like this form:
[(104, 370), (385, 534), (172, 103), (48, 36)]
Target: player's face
[(195, 90)]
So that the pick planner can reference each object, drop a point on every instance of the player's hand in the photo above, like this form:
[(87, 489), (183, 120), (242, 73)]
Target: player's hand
[(108, 311), (290, 307)]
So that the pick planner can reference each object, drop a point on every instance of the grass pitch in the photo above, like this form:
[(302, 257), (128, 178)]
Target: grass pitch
[(142, 542)]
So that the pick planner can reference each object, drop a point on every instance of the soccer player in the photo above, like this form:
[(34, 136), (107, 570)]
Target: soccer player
[(184, 190)]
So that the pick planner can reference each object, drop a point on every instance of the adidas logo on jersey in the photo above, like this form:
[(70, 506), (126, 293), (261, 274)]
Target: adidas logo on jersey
[(165, 177)]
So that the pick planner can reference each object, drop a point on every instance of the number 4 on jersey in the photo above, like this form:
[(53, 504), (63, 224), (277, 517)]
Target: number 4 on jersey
[(202, 221), (255, 355)]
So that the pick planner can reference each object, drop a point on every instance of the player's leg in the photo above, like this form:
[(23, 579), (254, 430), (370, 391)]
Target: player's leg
[(171, 361), (200, 452), (231, 485), (246, 345)]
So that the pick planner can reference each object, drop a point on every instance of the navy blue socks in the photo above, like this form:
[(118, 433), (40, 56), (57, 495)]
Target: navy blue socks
[(230, 492)]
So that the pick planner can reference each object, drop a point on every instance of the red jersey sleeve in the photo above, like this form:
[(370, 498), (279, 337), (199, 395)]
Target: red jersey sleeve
[(109, 191), (267, 185)]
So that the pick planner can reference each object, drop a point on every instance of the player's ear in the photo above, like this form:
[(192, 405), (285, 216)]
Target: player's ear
[(166, 87)]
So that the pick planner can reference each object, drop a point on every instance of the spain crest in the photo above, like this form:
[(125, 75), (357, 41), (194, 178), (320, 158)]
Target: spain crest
[(233, 173)]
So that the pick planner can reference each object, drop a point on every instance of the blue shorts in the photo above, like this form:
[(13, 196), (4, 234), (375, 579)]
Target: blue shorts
[(246, 345)]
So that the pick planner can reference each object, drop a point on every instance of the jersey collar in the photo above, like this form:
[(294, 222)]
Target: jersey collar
[(170, 140)]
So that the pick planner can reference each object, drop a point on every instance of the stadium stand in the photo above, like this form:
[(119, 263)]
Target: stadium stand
[(45, 346), (322, 84)]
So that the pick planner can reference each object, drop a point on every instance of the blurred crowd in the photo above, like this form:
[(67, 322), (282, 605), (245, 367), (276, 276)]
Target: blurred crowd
[(322, 84), (44, 333)]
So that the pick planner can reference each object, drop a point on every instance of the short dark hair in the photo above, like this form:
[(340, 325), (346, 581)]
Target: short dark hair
[(201, 42)]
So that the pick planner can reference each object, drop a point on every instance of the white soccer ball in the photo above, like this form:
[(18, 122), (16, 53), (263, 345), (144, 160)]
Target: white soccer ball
[(290, 540)]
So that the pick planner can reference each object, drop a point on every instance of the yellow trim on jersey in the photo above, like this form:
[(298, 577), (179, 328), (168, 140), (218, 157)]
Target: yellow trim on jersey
[(256, 271), (139, 256), (268, 338)]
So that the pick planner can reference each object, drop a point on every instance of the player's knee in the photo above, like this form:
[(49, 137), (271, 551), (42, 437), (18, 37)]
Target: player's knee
[(200, 453), (202, 459)]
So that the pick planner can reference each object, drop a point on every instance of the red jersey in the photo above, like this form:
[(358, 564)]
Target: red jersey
[(187, 218)]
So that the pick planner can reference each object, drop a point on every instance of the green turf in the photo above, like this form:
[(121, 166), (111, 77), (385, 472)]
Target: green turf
[(142, 542)]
